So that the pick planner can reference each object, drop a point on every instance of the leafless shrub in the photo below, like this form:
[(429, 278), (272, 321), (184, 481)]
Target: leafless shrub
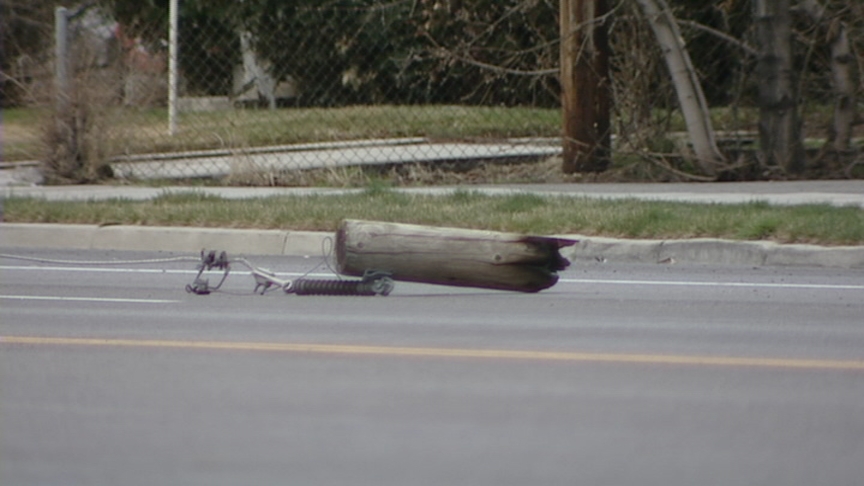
[(76, 136)]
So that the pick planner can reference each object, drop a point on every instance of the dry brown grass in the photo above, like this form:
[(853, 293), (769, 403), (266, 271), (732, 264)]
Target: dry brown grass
[(547, 170)]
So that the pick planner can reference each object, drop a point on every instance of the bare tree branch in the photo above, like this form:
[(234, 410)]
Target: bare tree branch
[(499, 69), (660, 161), (444, 53), (749, 50)]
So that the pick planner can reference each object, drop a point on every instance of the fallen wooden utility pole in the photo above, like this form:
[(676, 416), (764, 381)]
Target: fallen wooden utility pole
[(450, 256)]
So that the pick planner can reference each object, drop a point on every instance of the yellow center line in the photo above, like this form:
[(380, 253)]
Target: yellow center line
[(662, 359)]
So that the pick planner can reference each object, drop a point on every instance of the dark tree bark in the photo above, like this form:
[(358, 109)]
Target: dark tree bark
[(779, 125), (836, 34), (586, 90)]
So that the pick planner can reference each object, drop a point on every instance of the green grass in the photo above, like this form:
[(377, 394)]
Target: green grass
[(145, 130), (22, 129), (22, 116), (131, 130), (523, 213)]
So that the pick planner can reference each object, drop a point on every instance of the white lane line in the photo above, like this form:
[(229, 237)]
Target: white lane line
[(661, 283), (714, 284), (237, 269), (95, 269), (88, 299)]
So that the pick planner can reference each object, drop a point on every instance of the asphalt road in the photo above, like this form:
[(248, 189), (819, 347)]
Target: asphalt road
[(619, 375)]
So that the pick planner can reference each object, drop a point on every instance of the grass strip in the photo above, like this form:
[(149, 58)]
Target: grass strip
[(523, 213), (124, 130)]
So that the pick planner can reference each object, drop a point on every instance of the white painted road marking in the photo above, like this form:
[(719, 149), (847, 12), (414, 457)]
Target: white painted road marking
[(715, 284), (767, 285), (88, 299)]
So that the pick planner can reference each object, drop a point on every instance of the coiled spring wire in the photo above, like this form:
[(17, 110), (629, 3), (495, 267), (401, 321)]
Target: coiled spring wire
[(372, 282)]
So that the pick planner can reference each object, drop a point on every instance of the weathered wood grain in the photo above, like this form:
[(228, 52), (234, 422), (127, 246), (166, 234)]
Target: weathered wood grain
[(450, 256)]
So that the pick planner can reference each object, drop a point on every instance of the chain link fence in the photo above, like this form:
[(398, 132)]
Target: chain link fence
[(265, 89)]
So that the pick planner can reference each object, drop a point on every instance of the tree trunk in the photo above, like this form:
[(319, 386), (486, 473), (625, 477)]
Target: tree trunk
[(844, 88), (450, 256), (779, 125), (692, 100), (842, 79), (585, 87)]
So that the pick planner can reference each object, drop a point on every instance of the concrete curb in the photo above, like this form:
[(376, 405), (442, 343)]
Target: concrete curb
[(309, 243), (159, 238), (715, 251)]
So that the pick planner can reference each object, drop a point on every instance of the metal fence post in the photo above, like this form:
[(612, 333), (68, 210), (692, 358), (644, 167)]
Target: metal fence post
[(172, 66), (61, 54)]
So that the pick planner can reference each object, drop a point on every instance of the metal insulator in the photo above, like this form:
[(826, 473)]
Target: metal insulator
[(209, 261)]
